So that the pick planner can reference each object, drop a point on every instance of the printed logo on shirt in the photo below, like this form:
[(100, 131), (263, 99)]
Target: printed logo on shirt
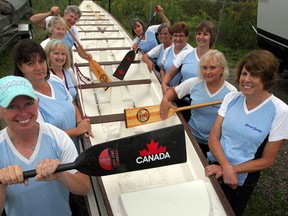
[(253, 128)]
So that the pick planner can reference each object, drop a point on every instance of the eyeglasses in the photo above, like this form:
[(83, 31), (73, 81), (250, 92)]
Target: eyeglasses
[(181, 36)]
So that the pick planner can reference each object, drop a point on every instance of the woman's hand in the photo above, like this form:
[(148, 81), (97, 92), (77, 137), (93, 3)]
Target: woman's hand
[(230, 176), (45, 170), (12, 175), (135, 46), (88, 57), (84, 127), (165, 105), (54, 11), (213, 170), (159, 9)]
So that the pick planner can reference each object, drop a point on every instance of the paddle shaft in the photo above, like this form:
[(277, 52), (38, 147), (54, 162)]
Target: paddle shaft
[(60, 168), (95, 67), (96, 15), (148, 25), (195, 106), (75, 39)]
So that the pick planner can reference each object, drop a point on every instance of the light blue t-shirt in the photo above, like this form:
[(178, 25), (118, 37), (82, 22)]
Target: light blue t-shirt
[(58, 109), (150, 39), (69, 79), (168, 60), (43, 198), (69, 40), (202, 119), (157, 53), (188, 60), (243, 130)]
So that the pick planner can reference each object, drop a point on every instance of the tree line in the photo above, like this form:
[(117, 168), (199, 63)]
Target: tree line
[(233, 19)]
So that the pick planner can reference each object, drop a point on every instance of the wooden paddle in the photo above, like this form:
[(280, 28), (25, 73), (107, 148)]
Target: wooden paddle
[(130, 56), (97, 16), (149, 114), (97, 70), (142, 151)]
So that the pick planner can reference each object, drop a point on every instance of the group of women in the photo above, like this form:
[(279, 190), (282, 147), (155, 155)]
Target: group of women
[(243, 135), (42, 90), (240, 137)]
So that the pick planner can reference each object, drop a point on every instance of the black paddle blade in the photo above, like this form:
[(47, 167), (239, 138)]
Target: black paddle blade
[(124, 65), (147, 150)]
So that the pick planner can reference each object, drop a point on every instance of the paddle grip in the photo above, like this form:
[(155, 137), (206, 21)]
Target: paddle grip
[(60, 168)]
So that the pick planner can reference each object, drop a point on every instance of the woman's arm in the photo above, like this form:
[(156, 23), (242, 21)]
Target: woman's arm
[(77, 183), (267, 159), (3, 188), (162, 15), (229, 172), (84, 55), (39, 19), (168, 77), (150, 65), (82, 125), (162, 73), (166, 104)]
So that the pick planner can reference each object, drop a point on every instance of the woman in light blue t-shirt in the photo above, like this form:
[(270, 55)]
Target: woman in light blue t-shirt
[(146, 40), (249, 130)]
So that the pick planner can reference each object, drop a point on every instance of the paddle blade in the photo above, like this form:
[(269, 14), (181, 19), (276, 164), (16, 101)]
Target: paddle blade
[(142, 115), (143, 151), (124, 65), (99, 73)]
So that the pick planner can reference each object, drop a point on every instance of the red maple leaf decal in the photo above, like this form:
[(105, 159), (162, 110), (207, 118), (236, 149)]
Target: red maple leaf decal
[(129, 59), (121, 72), (152, 149)]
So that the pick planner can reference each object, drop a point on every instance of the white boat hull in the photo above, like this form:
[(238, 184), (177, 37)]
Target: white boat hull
[(127, 193)]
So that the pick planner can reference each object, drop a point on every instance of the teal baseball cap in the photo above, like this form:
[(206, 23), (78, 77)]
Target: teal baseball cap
[(13, 86)]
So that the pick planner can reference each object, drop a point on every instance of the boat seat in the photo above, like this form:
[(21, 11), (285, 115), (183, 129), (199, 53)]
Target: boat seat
[(185, 199)]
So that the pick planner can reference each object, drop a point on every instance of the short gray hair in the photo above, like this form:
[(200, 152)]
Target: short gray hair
[(73, 9), (218, 57)]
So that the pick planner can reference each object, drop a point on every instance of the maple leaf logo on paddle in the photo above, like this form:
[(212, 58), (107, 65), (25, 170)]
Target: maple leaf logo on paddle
[(154, 153), (152, 149), (129, 59), (121, 72)]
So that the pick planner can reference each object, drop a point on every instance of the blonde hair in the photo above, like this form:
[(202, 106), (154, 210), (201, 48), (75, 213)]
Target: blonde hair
[(55, 21), (217, 56), (57, 44)]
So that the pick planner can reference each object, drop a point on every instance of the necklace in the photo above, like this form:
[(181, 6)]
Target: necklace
[(18, 145)]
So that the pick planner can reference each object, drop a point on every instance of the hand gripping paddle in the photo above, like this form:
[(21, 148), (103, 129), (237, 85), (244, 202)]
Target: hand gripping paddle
[(143, 151), (97, 70), (130, 56)]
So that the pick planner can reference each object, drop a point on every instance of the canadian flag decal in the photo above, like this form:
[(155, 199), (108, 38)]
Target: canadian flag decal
[(153, 153)]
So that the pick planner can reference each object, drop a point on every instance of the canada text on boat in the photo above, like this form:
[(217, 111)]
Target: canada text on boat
[(179, 189)]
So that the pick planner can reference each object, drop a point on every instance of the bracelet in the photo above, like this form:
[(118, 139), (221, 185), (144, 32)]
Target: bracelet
[(78, 122)]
